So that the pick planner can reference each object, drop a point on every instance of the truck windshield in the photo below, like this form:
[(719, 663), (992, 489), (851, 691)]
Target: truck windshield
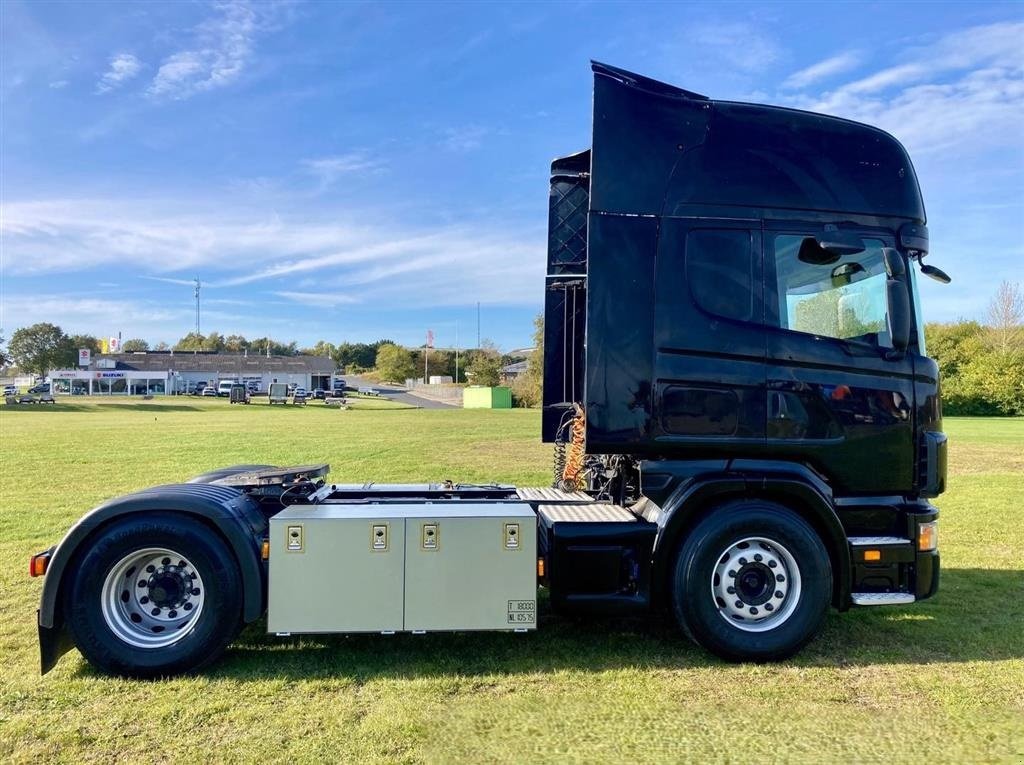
[(844, 300)]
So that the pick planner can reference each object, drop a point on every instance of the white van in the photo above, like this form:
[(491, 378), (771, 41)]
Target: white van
[(224, 387)]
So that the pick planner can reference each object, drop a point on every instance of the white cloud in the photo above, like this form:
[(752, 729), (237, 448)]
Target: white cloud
[(123, 67), (222, 48), (738, 45), (822, 70), (58, 84), (329, 169), (903, 74), (964, 90), (232, 248), (155, 319), (169, 280), (465, 138), (317, 299)]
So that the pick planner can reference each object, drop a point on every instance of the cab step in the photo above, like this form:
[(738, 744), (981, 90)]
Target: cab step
[(882, 598)]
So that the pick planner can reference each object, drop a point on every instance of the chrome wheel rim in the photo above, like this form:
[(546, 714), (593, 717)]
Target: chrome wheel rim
[(152, 598), (756, 584)]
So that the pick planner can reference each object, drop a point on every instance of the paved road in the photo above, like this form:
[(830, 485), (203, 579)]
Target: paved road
[(398, 393)]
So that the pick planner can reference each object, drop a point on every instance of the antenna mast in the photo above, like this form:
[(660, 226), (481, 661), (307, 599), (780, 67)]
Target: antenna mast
[(199, 284)]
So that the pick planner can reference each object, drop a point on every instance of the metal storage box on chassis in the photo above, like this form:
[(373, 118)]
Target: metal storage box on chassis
[(440, 566)]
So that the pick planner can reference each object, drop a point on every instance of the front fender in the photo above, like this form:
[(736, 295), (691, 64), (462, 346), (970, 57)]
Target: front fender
[(791, 485)]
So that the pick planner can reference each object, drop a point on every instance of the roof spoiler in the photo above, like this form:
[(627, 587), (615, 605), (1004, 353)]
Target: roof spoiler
[(644, 83)]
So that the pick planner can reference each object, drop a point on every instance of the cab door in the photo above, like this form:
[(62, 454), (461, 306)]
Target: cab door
[(709, 338), (838, 398)]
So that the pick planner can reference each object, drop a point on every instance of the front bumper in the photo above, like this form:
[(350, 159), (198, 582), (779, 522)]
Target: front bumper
[(887, 566)]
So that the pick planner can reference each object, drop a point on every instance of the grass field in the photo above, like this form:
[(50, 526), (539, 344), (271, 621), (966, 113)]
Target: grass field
[(939, 681)]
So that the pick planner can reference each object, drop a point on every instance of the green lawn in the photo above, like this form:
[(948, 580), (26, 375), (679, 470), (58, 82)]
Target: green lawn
[(942, 680)]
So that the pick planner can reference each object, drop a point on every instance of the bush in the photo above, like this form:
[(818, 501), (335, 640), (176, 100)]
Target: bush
[(525, 392), (394, 363), (981, 373)]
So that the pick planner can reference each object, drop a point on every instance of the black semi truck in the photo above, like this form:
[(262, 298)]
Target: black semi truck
[(747, 430)]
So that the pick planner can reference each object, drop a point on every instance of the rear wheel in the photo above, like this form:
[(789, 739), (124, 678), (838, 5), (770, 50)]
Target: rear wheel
[(752, 582), (152, 596)]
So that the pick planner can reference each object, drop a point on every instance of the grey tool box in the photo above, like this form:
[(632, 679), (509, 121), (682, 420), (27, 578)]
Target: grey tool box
[(392, 567)]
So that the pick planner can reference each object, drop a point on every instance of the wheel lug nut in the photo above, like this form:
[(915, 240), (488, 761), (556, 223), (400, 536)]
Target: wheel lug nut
[(144, 600), (195, 591), (759, 557), (739, 604), (779, 594), (187, 606), (780, 578), (743, 561), (166, 561), (150, 569), (753, 611), (732, 574), (172, 613), (155, 612), (142, 583), (772, 564), (769, 607), (731, 590)]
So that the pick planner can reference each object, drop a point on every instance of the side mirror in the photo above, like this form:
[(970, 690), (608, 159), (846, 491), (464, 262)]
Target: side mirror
[(898, 299), (935, 273), (894, 265)]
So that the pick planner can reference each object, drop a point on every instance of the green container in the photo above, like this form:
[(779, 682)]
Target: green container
[(476, 397)]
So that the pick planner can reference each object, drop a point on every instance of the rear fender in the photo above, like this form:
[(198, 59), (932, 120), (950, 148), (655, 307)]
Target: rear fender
[(227, 511)]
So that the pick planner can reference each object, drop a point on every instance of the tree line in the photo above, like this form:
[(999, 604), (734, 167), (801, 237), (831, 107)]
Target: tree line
[(42, 347)]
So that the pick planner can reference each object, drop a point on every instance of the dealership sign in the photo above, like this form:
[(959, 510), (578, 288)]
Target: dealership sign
[(106, 375), (83, 357)]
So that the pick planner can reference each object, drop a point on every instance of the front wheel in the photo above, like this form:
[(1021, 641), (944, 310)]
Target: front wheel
[(752, 582), (154, 595)]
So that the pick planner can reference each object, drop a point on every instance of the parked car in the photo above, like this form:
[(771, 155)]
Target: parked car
[(198, 388), (43, 387), (239, 394), (320, 394), (209, 391), (300, 392), (252, 386), (292, 387), (10, 390), (224, 387)]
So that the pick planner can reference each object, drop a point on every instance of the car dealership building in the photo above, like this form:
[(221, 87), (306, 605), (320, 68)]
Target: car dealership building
[(169, 372)]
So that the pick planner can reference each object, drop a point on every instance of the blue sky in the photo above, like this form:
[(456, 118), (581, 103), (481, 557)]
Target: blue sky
[(355, 171)]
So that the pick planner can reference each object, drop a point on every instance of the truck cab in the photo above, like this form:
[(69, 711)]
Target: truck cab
[(731, 314)]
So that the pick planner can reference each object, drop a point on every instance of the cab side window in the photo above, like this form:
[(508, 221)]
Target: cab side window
[(845, 300)]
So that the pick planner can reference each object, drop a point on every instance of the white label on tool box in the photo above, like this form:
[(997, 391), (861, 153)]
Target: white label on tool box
[(522, 611)]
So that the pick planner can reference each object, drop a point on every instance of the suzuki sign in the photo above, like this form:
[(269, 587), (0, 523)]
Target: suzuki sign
[(84, 355)]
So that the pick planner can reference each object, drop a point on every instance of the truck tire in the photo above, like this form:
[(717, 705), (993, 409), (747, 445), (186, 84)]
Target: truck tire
[(152, 596), (752, 582)]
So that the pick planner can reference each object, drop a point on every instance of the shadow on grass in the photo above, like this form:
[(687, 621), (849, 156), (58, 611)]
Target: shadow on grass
[(969, 620)]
